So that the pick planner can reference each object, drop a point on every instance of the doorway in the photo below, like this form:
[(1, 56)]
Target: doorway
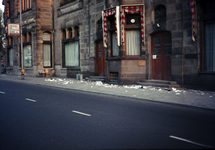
[(161, 55), (101, 58)]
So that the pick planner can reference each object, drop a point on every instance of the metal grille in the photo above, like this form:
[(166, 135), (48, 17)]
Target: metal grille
[(113, 77)]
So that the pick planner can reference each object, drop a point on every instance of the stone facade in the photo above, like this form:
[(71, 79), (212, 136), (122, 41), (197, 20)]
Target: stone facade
[(36, 18), (64, 19)]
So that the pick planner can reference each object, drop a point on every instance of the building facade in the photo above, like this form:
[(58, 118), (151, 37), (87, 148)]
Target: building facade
[(124, 40), (37, 30)]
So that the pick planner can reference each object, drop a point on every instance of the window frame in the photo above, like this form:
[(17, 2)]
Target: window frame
[(205, 19), (129, 28), (64, 42), (48, 42)]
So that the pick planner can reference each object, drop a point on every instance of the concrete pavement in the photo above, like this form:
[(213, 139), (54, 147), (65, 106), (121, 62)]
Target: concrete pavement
[(188, 97)]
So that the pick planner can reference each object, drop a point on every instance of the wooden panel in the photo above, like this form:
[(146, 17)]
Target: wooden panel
[(101, 59)]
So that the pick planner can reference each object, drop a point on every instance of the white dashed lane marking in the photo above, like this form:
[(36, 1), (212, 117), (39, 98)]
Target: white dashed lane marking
[(81, 113), (2, 92), (28, 99), (185, 140)]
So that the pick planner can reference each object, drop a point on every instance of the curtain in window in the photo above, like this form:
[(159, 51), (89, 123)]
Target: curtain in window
[(210, 47), (133, 42), (11, 57), (27, 56), (72, 54), (115, 47), (47, 55), (46, 37)]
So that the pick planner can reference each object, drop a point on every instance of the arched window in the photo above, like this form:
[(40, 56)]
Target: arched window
[(99, 26), (29, 37), (76, 31), (160, 14), (70, 33), (63, 34)]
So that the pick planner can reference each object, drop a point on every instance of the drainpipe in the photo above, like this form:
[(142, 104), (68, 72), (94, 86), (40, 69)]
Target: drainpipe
[(53, 32), (89, 27), (182, 46)]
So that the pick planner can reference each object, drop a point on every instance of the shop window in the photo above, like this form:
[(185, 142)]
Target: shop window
[(47, 50), (208, 50)]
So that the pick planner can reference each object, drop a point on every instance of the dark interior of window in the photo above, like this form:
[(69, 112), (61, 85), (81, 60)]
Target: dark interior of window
[(132, 19), (160, 14)]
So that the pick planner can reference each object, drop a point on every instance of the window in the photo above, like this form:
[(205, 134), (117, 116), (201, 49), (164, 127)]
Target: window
[(99, 26), (76, 31), (10, 51), (71, 48), (27, 50), (70, 33), (26, 5), (132, 35), (63, 34), (208, 50), (160, 14), (8, 9), (27, 55), (115, 47), (132, 42), (209, 46), (71, 54), (47, 50), (11, 57), (112, 31)]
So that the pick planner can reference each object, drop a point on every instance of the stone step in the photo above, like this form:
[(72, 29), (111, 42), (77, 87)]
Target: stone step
[(97, 78), (159, 83)]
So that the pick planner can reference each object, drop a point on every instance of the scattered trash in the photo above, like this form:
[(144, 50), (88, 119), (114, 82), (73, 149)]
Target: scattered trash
[(177, 93)]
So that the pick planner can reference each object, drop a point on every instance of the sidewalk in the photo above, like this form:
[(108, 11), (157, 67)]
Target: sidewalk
[(195, 98)]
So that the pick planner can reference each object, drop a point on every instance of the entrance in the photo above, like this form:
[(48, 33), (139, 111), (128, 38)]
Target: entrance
[(161, 55), (101, 59)]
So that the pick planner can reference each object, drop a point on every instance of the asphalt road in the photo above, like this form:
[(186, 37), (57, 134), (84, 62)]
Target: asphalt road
[(36, 117)]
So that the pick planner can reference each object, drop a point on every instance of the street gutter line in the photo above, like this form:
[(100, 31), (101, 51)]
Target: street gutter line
[(28, 99), (185, 140), (2, 92), (78, 112)]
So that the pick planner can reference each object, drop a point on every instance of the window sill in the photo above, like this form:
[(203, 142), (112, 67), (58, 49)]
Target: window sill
[(71, 68), (126, 58), (26, 68)]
